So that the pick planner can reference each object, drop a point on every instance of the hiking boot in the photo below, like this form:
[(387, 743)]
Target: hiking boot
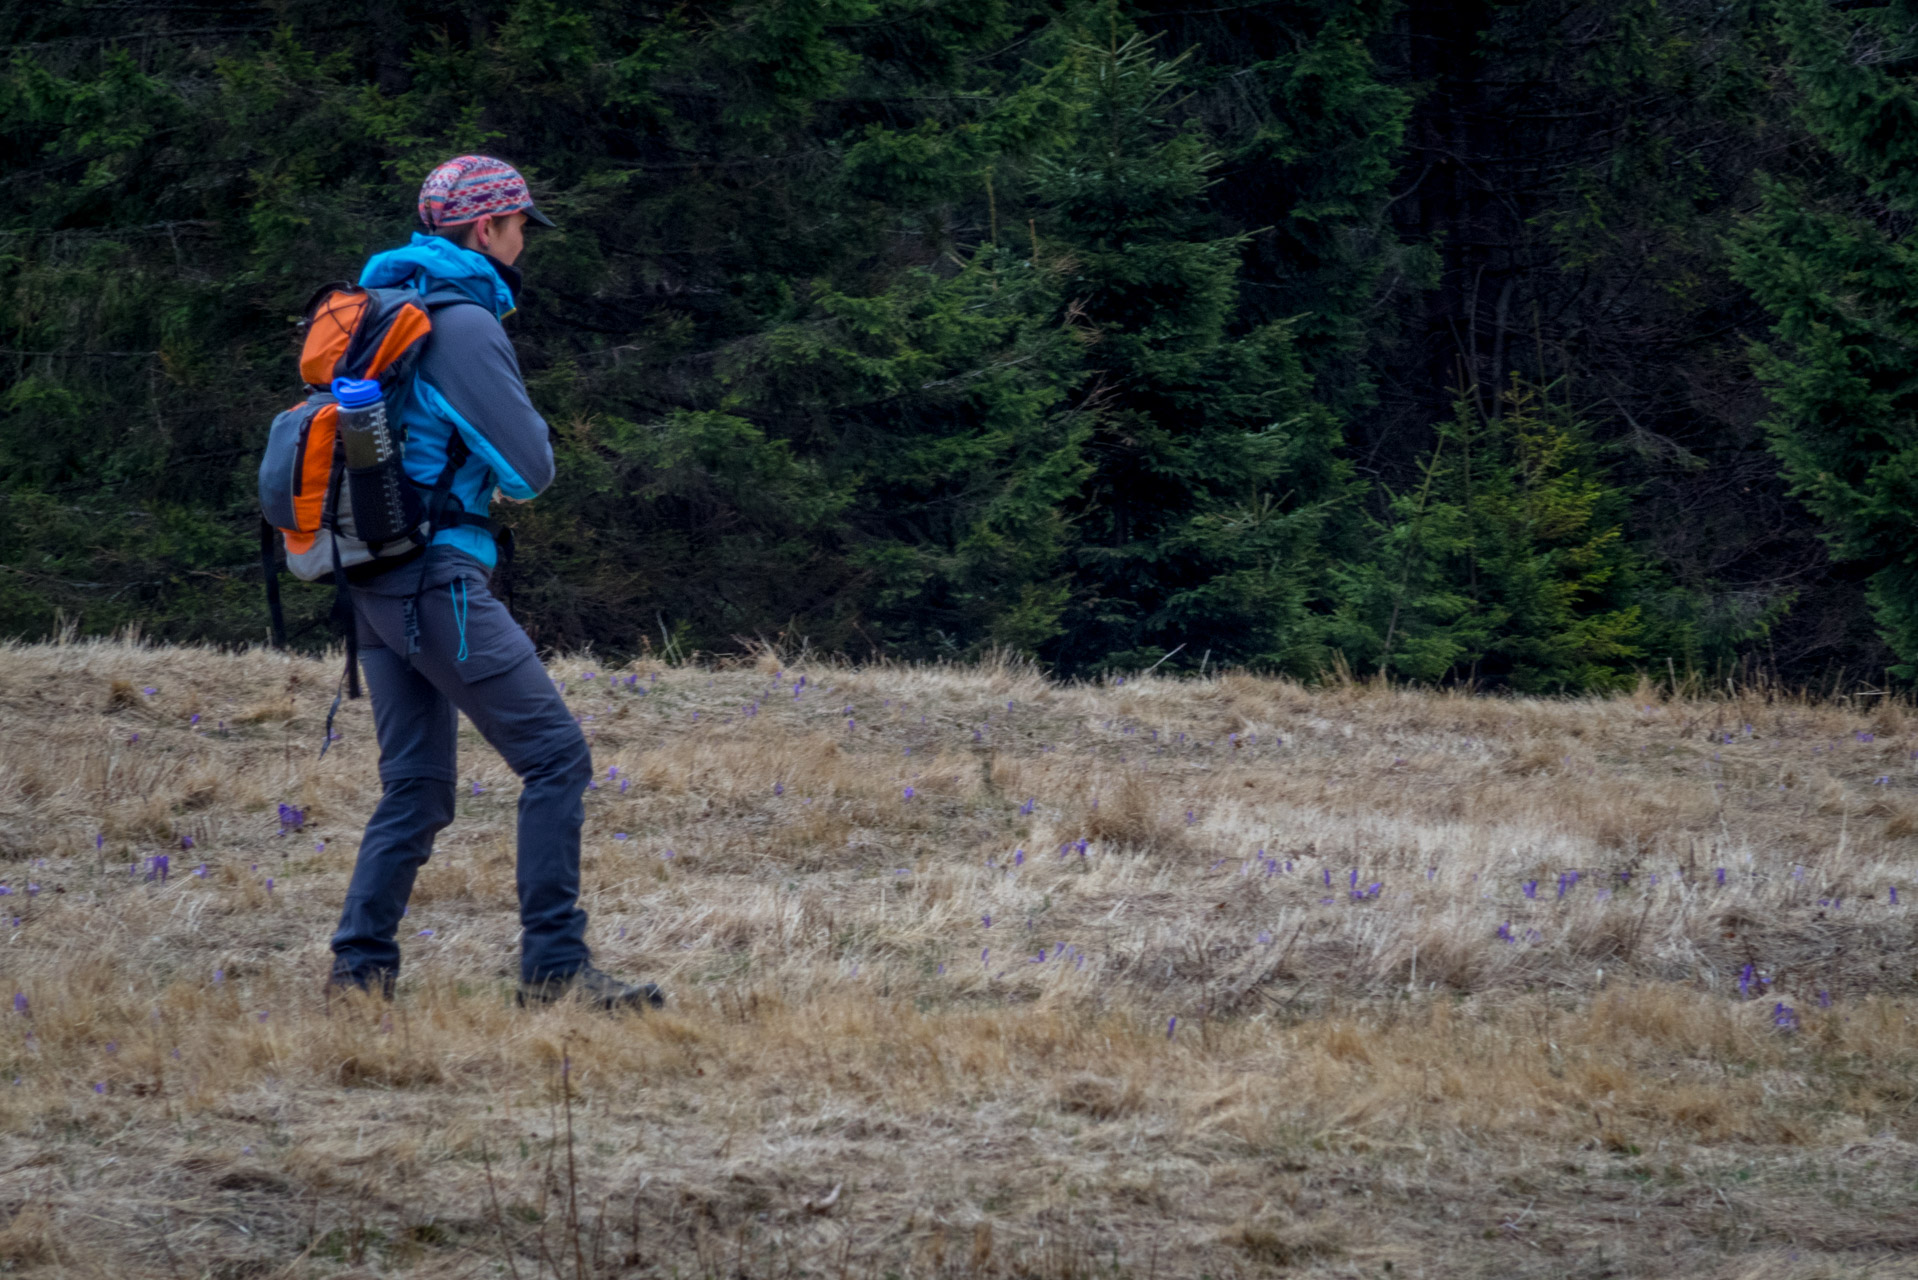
[(595, 986), (371, 982)]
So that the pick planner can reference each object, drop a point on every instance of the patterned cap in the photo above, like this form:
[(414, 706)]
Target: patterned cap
[(473, 187)]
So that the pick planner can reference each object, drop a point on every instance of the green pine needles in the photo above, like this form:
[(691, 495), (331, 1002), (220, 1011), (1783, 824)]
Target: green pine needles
[(1110, 334), (1831, 260), (1505, 567), (1212, 468)]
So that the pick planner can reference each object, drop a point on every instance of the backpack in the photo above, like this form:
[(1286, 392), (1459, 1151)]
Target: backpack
[(305, 504)]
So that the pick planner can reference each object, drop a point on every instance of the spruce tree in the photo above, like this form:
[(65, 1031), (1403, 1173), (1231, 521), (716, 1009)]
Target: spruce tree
[(1505, 565), (1212, 467), (1829, 257)]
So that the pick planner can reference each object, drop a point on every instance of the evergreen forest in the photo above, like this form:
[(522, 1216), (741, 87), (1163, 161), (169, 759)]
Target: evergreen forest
[(1525, 345)]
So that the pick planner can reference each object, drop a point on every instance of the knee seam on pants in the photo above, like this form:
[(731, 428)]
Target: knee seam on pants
[(573, 764)]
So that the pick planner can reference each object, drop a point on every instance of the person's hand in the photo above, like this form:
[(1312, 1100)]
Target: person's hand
[(499, 495)]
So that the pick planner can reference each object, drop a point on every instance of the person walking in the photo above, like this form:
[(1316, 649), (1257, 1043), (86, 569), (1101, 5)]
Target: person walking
[(434, 641)]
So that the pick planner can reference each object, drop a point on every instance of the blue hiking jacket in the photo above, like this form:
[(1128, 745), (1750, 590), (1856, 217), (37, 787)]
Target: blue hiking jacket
[(467, 381)]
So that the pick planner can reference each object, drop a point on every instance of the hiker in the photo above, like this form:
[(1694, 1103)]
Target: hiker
[(433, 640)]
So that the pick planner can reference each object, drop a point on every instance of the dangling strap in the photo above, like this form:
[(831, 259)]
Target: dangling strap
[(270, 570), (343, 619), (457, 590), (331, 711), (456, 455)]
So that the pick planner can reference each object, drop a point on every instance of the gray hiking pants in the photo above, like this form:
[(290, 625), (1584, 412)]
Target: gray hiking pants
[(473, 658)]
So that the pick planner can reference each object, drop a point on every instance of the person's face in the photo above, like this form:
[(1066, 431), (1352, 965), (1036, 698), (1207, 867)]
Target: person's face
[(503, 238)]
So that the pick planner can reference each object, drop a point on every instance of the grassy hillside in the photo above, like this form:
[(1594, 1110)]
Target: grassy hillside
[(971, 975)]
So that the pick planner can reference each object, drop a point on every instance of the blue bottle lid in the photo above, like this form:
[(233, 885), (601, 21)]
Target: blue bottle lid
[(356, 393)]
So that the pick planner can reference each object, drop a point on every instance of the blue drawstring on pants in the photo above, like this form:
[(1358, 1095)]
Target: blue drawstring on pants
[(458, 591)]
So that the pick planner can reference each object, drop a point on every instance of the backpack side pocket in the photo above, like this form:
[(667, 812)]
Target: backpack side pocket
[(296, 468)]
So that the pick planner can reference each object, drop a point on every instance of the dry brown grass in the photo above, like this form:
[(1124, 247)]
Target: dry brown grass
[(858, 1075)]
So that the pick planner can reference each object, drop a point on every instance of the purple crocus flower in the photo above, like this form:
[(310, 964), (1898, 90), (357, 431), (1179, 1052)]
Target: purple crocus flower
[(1505, 932), (186, 842), (1530, 888), (219, 976), (1894, 895), (1824, 999), (19, 1002), (99, 841), (1171, 1026), (1026, 808), (424, 933), (1745, 982), (1784, 1017), (909, 793), (1018, 857), (478, 790), (779, 788), (161, 866), (1721, 876)]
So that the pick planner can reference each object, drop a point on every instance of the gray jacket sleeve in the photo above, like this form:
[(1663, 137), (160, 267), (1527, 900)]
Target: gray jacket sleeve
[(470, 364)]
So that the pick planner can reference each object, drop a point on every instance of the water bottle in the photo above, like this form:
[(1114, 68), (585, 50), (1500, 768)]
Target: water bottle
[(362, 422), (385, 505)]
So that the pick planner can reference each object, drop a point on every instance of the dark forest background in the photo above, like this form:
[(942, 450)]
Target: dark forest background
[(1531, 344)]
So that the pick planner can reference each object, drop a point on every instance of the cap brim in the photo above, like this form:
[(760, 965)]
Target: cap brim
[(539, 219)]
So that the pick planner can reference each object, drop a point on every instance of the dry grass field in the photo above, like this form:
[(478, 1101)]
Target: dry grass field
[(971, 975)]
